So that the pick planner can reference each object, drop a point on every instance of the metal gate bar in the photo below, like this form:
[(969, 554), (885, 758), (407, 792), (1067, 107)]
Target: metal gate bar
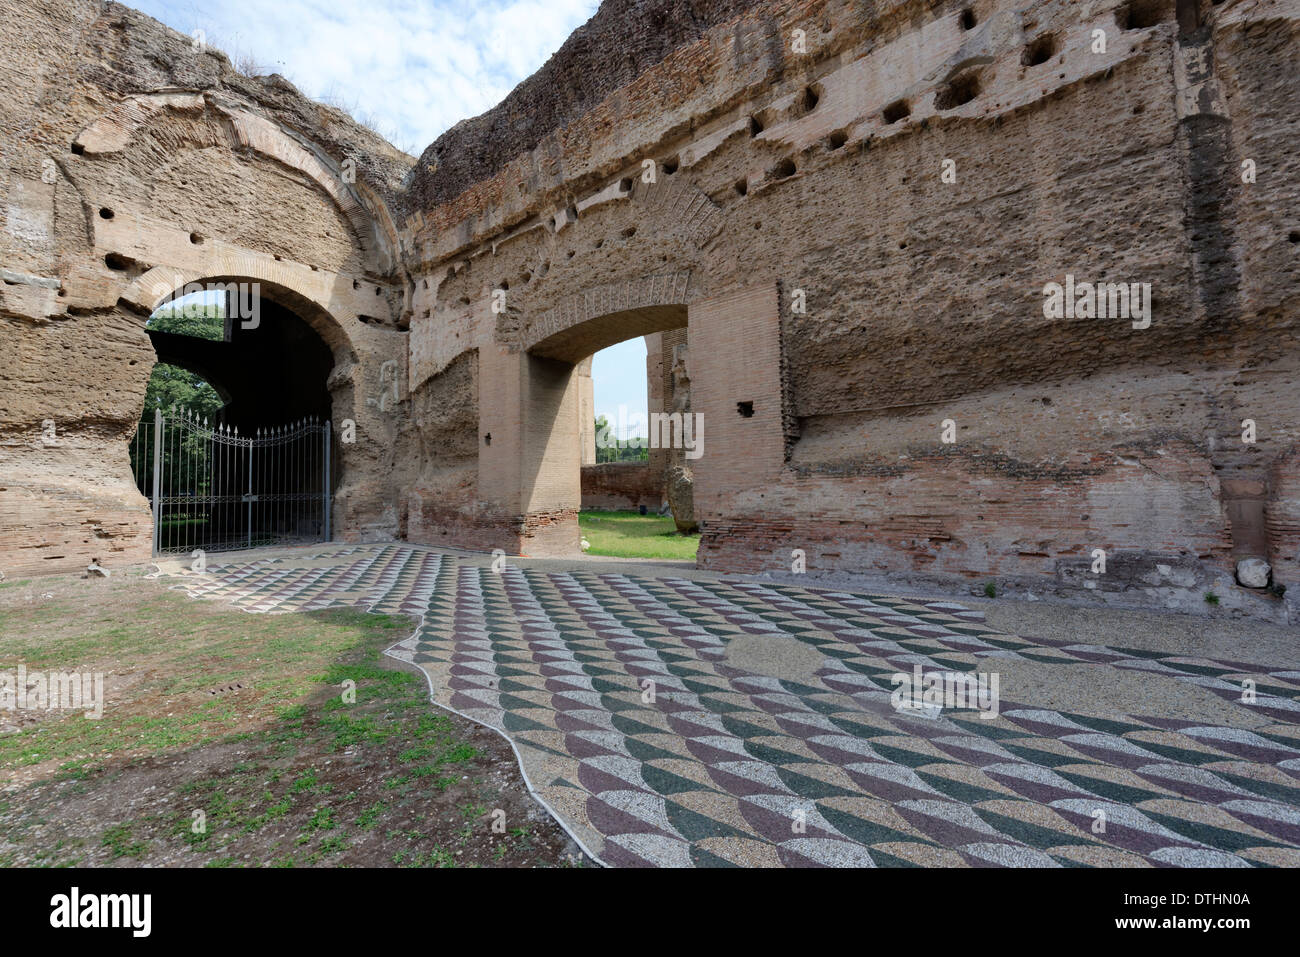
[(211, 488)]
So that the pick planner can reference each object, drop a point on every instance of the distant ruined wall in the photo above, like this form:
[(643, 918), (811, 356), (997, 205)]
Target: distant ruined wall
[(622, 485), (853, 208)]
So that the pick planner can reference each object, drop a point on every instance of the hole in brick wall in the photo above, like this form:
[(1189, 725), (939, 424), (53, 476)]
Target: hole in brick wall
[(742, 186), (503, 285), (378, 291), (783, 169), (670, 165), (279, 258), (1294, 237), (959, 91), (629, 232), (625, 185), (1140, 14), (837, 139), (116, 262), (196, 239), (569, 254), (78, 149), (487, 438), (755, 125), (105, 213), (746, 409), (1040, 51), (810, 99), (426, 284), (571, 214), (355, 284), (899, 110), (967, 19)]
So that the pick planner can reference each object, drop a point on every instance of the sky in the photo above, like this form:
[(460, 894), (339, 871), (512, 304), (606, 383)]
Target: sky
[(618, 379), (413, 67), (409, 69)]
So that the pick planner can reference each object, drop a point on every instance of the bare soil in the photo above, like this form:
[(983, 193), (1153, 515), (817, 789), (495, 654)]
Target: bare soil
[(230, 739)]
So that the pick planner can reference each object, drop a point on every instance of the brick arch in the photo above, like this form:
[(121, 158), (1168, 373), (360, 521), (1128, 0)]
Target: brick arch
[(681, 207), (602, 316), (312, 296), (207, 120)]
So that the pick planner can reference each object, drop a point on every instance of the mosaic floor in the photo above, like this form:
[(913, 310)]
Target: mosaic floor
[(644, 728)]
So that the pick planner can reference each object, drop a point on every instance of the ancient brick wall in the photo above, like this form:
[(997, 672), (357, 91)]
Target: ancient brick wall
[(622, 485), (898, 182), (911, 176)]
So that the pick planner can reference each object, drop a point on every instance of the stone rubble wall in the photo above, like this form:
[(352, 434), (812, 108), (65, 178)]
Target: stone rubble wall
[(854, 208)]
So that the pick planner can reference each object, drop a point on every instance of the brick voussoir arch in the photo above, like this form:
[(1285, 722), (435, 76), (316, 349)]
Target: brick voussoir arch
[(115, 130), (313, 296), (588, 321)]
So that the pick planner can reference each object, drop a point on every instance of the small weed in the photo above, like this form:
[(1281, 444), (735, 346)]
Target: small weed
[(118, 841), (366, 820)]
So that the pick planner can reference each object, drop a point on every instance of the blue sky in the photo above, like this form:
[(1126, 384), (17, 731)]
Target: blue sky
[(618, 378), (410, 69), (413, 68)]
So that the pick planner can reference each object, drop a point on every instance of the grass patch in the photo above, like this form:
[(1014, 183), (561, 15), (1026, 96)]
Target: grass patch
[(280, 772), (629, 534)]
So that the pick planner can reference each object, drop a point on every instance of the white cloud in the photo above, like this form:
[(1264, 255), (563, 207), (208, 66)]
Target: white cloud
[(412, 68)]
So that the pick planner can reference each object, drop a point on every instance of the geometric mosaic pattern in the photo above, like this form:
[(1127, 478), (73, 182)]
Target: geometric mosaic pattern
[(723, 766)]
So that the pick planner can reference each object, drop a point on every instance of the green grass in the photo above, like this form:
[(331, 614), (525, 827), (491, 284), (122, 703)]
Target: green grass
[(632, 535), (181, 648)]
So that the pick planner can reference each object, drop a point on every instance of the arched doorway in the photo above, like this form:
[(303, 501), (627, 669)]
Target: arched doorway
[(531, 442), (255, 470)]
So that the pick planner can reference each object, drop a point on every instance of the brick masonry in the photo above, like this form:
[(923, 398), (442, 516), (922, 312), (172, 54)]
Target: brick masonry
[(798, 215)]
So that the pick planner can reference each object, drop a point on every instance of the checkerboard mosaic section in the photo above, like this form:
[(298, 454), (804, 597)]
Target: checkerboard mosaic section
[(653, 750)]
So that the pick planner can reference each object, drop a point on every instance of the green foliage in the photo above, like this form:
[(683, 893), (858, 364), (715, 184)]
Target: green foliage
[(201, 320), (635, 449), (174, 388), (171, 387)]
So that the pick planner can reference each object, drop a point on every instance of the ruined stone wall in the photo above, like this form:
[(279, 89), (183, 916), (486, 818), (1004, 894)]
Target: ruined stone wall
[(911, 289), (854, 208), (622, 485), (134, 161)]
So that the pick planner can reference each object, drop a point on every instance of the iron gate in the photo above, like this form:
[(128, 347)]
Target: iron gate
[(213, 489)]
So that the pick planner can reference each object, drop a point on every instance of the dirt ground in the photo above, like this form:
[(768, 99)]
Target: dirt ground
[(230, 739)]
